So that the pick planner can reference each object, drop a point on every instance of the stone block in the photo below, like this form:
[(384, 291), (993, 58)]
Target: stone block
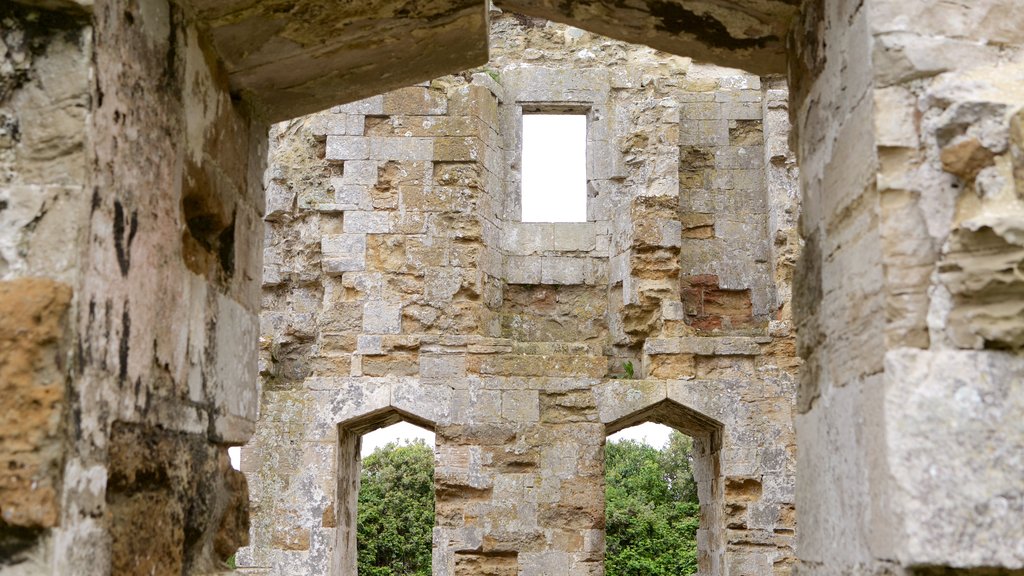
[(953, 452), (280, 200), (33, 321), (415, 101), (341, 148), (476, 406), (704, 132), (520, 406), (574, 237), (360, 172), (564, 270), (442, 365), (343, 253), (350, 196), (742, 110), (465, 149), (382, 317), (523, 270), (401, 149), (895, 113), (373, 106), (366, 222), (369, 344)]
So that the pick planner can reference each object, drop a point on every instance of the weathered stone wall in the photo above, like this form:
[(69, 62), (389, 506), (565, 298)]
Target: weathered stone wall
[(909, 292), (400, 284), (130, 201), (907, 120)]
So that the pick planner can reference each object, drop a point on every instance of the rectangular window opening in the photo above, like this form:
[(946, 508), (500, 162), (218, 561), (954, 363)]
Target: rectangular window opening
[(554, 168)]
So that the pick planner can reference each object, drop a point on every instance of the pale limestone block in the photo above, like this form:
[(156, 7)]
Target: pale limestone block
[(573, 236), (373, 106), (747, 180), (369, 345), (604, 161), (700, 110), (343, 253), (527, 238), (401, 149), (382, 317), (351, 196), (430, 403), (341, 400), (746, 157), (704, 132), (895, 113), (523, 270), (617, 399), (520, 405), (742, 110), (340, 148), (442, 365), (366, 222), (673, 310), (355, 124), (476, 406), (322, 125), (280, 200), (563, 270), (953, 454), (441, 284), (360, 172)]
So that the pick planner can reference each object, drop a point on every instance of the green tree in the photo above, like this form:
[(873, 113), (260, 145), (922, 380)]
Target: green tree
[(396, 511), (651, 512)]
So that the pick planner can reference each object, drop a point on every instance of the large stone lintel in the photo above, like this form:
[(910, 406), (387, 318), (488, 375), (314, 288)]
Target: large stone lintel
[(752, 38), (319, 53)]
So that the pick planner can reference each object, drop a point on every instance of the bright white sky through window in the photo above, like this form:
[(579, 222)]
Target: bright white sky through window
[(554, 187), (650, 433), (401, 433)]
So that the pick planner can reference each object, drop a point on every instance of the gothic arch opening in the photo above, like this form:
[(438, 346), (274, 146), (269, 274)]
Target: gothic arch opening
[(349, 465), (706, 436)]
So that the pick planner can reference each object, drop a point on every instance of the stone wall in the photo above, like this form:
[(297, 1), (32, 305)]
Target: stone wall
[(400, 284), (906, 115), (129, 250), (907, 128)]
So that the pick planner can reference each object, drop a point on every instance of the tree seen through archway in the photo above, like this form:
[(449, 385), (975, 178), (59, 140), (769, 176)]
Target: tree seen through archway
[(651, 509)]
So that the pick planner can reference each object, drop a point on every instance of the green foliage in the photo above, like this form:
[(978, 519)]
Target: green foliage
[(651, 509), (628, 372), (628, 368), (652, 512), (396, 511)]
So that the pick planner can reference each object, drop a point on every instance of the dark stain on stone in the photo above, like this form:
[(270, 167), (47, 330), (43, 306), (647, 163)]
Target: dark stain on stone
[(707, 29), (126, 332), (3, 205), (16, 542), (96, 200), (226, 248), (122, 246)]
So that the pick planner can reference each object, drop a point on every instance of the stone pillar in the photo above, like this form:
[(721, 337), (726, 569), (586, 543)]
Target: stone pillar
[(130, 207), (909, 293)]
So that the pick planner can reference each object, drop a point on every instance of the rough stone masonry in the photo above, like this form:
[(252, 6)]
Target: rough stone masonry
[(400, 283), (133, 149)]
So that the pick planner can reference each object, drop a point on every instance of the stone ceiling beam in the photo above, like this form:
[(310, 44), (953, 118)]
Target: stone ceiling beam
[(746, 34), (293, 57)]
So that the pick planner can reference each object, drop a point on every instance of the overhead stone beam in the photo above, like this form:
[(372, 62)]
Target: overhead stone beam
[(746, 34), (293, 57)]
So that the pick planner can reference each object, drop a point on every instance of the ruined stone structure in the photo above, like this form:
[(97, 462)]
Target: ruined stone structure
[(133, 146), (400, 283)]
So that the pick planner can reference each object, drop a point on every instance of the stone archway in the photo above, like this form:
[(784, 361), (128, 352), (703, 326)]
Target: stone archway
[(350, 433)]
